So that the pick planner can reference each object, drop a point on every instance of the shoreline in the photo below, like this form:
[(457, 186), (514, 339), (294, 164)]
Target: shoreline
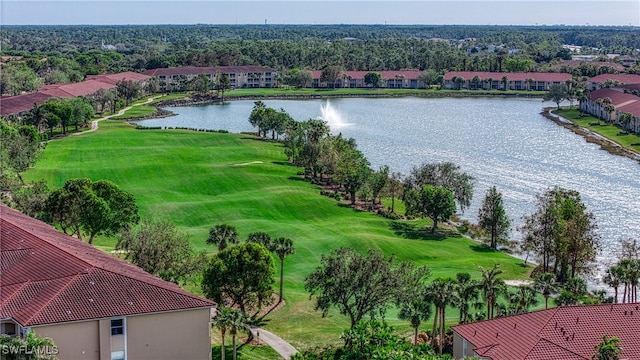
[(590, 136)]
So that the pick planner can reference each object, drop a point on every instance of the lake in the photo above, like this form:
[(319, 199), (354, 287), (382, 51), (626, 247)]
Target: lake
[(500, 141)]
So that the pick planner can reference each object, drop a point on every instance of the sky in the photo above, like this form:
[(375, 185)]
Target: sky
[(421, 12)]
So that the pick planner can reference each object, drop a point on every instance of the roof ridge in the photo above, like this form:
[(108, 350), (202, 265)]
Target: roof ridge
[(558, 345), (160, 284), (47, 241)]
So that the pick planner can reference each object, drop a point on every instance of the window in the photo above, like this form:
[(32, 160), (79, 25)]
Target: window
[(117, 327), (117, 355)]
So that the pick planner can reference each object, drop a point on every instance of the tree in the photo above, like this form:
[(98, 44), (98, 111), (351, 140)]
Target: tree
[(505, 83), (222, 235), (242, 274), (608, 349), (19, 148), (238, 320), (545, 283), (94, 208), (493, 219), (393, 188), (330, 74), (357, 285), (377, 181), (436, 202), (282, 247), (491, 286), (614, 277), (257, 116), (562, 233), (129, 90), (31, 199), (522, 299), (556, 93), (261, 238), (373, 78), (31, 347), (440, 293), (159, 248), (352, 170), (223, 321), (303, 78), (466, 291), (201, 83), (412, 301), (223, 83), (444, 174)]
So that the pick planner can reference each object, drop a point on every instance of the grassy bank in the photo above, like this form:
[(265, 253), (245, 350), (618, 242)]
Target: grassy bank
[(608, 130), (197, 180)]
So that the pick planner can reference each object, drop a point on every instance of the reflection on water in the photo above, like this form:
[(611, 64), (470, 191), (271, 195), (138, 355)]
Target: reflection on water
[(501, 142)]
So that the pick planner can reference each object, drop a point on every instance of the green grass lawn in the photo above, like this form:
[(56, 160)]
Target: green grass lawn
[(197, 180), (610, 131)]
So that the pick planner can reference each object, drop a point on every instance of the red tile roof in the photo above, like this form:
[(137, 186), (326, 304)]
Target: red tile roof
[(115, 78), (21, 103), (497, 76), (385, 74), (48, 277), (618, 98), (82, 88), (622, 78), (569, 332), (197, 70)]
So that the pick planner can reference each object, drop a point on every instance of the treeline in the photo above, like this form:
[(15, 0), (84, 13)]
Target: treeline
[(130, 38), (367, 48)]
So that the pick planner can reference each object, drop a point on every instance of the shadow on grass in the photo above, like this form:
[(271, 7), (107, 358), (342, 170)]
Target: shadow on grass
[(296, 178), (216, 350), (285, 163), (411, 231), (482, 248), (349, 206)]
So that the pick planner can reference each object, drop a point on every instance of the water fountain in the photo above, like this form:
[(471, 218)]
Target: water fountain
[(332, 117)]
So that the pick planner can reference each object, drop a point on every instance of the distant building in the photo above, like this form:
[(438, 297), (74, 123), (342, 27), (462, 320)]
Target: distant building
[(21, 104), (240, 76), (485, 80), (93, 305), (608, 80), (391, 79), (617, 102), (567, 333)]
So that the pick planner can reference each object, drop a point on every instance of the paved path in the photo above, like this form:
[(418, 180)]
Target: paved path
[(94, 123), (280, 346)]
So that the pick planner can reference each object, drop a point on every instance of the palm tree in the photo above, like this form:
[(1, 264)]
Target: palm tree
[(261, 238), (491, 287), (282, 247), (238, 321), (608, 349), (545, 283), (490, 81), (466, 291), (523, 298), (608, 109), (415, 311), (612, 278), (222, 235), (440, 292), (505, 83), (529, 82), (475, 81), (223, 321)]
